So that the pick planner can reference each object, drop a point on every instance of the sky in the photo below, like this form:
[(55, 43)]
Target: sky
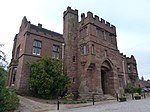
[(131, 18)]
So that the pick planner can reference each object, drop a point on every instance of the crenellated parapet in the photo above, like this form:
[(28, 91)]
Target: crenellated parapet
[(69, 10), (131, 60), (99, 22)]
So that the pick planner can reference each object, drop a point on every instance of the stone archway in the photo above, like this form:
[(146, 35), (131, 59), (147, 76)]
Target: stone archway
[(107, 84)]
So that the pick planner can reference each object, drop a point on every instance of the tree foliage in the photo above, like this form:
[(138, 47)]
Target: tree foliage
[(3, 61), (8, 99), (2, 89), (47, 79), (130, 88)]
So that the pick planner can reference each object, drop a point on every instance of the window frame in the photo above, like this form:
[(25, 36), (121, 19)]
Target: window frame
[(93, 49), (37, 45), (55, 51), (83, 49)]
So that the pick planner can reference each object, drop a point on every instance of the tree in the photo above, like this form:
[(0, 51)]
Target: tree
[(3, 61), (130, 88), (47, 79), (2, 89), (8, 99)]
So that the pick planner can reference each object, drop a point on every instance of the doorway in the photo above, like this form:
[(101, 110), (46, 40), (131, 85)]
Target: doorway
[(106, 77)]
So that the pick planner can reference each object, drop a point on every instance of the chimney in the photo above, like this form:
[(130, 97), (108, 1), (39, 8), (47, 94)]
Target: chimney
[(142, 78), (39, 25)]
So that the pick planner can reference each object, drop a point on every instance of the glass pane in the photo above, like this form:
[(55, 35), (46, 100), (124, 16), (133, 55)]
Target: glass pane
[(55, 55), (55, 48), (38, 51), (84, 50), (35, 43), (39, 44), (34, 50)]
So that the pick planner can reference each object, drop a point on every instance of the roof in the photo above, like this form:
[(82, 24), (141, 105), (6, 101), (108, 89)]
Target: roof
[(46, 31), (144, 83)]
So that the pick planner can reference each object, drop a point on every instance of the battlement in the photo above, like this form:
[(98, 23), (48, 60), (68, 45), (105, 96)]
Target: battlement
[(128, 59), (69, 10), (98, 21)]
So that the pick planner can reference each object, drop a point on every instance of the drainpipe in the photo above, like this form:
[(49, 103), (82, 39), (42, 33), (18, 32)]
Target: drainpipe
[(63, 45), (125, 81)]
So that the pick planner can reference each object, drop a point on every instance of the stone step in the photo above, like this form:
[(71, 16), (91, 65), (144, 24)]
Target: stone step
[(109, 97)]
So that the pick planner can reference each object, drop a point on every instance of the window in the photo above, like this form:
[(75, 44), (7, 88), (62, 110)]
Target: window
[(14, 75), (106, 54), (129, 68), (55, 53), (36, 47), (88, 48), (73, 80), (74, 59), (18, 51), (93, 50), (83, 49)]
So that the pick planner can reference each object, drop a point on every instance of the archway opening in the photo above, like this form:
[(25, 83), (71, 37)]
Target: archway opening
[(103, 78), (106, 74)]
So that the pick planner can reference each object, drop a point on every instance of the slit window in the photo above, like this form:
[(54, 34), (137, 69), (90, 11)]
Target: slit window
[(93, 49), (74, 59), (83, 49)]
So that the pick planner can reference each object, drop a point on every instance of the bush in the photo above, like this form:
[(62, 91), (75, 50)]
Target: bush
[(8, 99), (12, 101), (130, 88), (2, 89), (46, 78)]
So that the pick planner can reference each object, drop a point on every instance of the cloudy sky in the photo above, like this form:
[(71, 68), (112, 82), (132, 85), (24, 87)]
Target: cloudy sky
[(131, 18)]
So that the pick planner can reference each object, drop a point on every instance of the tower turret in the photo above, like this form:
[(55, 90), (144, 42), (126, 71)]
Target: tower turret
[(70, 30)]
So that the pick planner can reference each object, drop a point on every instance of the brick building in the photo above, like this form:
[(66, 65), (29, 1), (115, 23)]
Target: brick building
[(31, 43), (91, 56)]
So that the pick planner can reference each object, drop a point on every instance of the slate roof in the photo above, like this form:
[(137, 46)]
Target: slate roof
[(46, 31)]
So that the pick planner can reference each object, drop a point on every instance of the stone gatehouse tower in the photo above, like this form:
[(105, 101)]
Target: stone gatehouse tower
[(92, 58), (89, 48)]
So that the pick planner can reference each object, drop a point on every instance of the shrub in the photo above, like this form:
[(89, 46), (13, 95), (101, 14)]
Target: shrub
[(46, 78), (12, 101), (130, 88), (8, 99), (2, 89)]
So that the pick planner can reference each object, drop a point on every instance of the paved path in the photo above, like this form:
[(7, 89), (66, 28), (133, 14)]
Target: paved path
[(28, 105), (142, 105)]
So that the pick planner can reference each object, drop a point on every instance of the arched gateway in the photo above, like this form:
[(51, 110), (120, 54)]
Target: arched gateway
[(107, 78)]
